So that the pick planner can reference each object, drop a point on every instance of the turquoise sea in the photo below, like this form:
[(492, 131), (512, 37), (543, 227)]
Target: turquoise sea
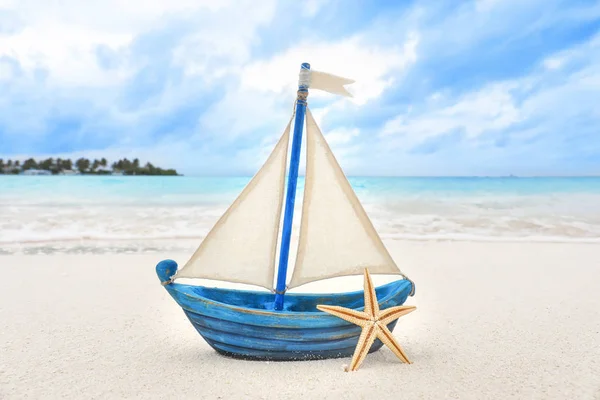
[(80, 214)]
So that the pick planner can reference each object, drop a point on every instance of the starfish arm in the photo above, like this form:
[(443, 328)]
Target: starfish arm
[(356, 317), (371, 304), (365, 341), (390, 314), (385, 335)]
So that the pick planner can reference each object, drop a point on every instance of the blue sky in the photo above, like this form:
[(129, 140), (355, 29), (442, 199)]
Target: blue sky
[(485, 87)]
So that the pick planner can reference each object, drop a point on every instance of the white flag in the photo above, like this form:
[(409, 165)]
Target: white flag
[(329, 83)]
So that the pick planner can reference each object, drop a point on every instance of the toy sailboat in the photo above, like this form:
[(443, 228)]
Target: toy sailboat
[(336, 238)]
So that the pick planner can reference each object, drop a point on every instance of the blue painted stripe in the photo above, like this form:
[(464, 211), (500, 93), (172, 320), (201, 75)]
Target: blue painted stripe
[(273, 344), (290, 334), (191, 301), (266, 342)]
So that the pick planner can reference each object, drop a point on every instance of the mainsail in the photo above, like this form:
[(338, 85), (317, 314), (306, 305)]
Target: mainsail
[(242, 245), (337, 237)]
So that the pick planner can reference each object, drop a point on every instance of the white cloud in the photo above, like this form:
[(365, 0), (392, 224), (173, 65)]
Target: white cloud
[(207, 39), (311, 7), (530, 125), (7, 70), (64, 40), (488, 109), (435, 97), (66, 52), (554, 62), (341, 136), (370, 66), (223, 44), (109, 16), (320, 112), (242, 113), (264, 99)]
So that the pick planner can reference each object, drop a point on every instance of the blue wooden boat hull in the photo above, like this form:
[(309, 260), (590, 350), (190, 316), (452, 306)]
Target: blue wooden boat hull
[(243, 323)]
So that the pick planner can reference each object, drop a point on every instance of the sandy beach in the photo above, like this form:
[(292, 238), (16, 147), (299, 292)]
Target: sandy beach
[(493, 320), (454, 144)]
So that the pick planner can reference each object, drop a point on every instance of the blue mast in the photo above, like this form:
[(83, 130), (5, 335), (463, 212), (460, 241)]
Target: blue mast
[(290, 198)]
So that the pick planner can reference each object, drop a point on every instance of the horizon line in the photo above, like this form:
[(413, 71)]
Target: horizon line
[(358, 176)]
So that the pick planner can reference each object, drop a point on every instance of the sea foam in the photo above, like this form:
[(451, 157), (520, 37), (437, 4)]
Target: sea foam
[(139, 214)]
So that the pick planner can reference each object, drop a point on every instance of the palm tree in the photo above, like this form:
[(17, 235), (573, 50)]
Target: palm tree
[(29, 164), (46, 164), (82, 164)]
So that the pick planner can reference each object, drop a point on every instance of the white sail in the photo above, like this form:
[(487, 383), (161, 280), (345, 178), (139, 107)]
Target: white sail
[(337, 237), (242, 245)]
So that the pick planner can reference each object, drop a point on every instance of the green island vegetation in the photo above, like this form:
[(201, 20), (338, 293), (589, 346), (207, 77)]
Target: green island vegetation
[(82, 166)]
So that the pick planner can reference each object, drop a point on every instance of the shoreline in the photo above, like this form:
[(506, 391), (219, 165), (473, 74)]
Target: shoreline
[(102, 246), (61, 212)]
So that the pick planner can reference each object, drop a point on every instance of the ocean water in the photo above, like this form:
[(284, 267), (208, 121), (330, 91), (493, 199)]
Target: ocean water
[(96, 214)]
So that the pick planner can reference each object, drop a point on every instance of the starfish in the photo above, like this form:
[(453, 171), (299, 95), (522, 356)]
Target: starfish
[(373, 322)]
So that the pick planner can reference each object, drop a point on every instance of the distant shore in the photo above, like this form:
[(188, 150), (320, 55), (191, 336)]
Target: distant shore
[(81, 166)]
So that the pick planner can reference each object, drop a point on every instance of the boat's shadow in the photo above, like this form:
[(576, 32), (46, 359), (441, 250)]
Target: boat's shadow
[(194, 357)]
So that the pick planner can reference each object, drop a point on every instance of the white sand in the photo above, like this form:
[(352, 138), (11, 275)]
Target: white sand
[(492, 321)]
